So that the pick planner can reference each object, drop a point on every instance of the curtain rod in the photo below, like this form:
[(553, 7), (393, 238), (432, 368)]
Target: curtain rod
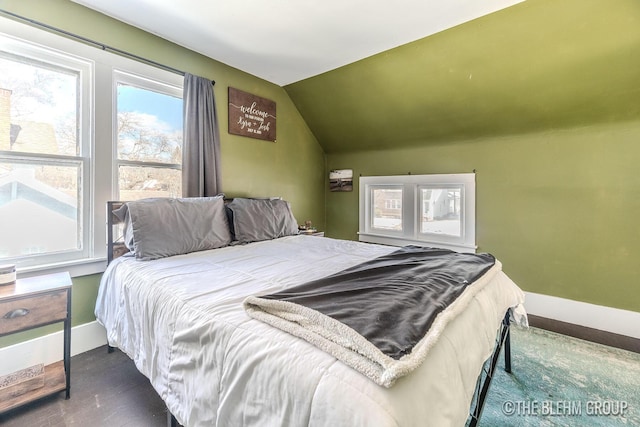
[(94, 43)]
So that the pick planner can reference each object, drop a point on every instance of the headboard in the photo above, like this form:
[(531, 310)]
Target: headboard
[(115, 238)]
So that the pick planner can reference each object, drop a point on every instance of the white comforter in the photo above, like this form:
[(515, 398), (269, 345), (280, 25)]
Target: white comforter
[(182, 322)]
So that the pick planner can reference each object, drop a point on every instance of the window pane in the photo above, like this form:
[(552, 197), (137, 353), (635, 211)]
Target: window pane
[(387, 208), (441, 211), (38, 107), (141, 182), (39, 209), (149, 125)]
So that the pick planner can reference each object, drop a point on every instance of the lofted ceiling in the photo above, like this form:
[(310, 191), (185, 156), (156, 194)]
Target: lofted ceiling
[(285, 41), (537, 67), (365, 76)]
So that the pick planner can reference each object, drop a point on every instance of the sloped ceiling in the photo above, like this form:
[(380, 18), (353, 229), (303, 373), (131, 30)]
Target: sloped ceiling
[(285, 41), (540, 65)]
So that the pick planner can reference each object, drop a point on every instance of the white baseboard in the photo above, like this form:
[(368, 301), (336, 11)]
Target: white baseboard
[(49, 348), (614, 320)]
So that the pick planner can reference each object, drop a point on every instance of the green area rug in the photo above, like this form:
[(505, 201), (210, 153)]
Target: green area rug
[(562, 381)]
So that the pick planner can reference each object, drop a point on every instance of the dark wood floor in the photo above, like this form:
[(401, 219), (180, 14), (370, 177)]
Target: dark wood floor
[(106, 390)]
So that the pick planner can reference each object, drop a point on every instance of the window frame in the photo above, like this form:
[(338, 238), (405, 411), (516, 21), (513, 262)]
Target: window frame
[(369, 214), (411, 234), (58, 59), (162, 86), (98, 123)]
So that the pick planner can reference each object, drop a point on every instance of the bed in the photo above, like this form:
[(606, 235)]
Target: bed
[(180, 317)]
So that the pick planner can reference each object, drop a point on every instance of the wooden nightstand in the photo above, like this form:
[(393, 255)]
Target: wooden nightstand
[(31, 303)]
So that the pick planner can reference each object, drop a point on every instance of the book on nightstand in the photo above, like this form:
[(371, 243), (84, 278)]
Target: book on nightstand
[(7, 274)]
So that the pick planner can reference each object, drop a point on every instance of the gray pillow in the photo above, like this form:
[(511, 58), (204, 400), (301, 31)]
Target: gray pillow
[(161, 227), (255, 220)]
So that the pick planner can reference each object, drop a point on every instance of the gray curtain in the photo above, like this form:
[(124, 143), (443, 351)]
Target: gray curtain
[(201, 142)]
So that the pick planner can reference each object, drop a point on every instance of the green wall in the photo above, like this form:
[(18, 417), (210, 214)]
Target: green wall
[(292, 168), (543, 100), (538, 65), (558, 208)]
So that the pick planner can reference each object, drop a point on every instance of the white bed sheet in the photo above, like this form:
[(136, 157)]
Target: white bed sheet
[(182, 322)]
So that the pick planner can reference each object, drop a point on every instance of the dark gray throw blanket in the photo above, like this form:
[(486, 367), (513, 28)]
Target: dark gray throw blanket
[(380, 317)]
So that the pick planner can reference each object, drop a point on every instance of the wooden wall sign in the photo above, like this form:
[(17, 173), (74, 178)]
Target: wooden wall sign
[(251, 116)]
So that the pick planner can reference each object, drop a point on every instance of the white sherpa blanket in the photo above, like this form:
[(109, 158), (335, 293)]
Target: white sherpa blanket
[(347, 345)]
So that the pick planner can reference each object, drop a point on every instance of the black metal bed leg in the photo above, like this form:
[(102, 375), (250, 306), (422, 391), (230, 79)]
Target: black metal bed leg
[(507, 346), (503, 342), (171, 420)]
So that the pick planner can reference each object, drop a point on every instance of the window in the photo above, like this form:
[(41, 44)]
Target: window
[(44, 146), (440, 210), (149, 138), (78, 127), (387, 208), (427, 210)]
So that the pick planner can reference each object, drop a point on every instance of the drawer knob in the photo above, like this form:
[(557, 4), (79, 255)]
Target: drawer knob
[(18, 312)]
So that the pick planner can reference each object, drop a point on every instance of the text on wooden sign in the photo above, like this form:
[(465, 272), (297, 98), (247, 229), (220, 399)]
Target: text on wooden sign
[(251, 115)]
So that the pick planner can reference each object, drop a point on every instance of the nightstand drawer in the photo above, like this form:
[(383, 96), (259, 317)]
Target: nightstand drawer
[(34, 310)]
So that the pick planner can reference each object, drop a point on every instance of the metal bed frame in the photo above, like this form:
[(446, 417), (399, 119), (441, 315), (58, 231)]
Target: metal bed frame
[(116, 248), (503, 339)]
